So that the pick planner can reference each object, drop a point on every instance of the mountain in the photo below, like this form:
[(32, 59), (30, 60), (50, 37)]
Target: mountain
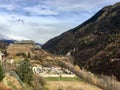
[(4, 41), (17, 37), (95, 44), (2, 37), (12, 37)]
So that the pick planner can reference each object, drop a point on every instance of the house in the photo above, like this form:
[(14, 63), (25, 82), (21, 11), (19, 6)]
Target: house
[(2, 57)]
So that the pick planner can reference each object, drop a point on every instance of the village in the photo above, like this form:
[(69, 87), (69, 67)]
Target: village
[(52, 72), (42, 70)]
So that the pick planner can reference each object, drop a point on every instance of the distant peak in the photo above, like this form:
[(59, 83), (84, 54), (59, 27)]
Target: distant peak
[(19, 38)]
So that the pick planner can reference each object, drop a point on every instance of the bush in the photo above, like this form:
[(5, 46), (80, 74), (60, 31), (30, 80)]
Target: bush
[(1, 72), (37, 57), (21, 54), (29, 55), (39, 83), (24, 71)]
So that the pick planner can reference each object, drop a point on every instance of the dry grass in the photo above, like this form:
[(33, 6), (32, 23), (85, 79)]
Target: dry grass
[(13, 49), (11, 82), (70, 85), (3, 87), (39, 82), (104, 82)]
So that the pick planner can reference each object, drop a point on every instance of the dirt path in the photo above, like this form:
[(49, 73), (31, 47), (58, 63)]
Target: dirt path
[(70, 85)]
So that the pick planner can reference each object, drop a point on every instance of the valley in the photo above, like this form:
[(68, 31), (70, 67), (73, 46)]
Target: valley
[(48, 68), (86, 57)]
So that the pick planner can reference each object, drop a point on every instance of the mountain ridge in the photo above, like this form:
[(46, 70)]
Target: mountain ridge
[(91, 37)]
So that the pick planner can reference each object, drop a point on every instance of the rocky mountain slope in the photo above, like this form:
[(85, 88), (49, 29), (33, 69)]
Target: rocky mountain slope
[(20, 51), (94, 44)]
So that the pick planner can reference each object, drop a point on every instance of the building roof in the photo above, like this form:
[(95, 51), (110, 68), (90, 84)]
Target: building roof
[(24, 42)]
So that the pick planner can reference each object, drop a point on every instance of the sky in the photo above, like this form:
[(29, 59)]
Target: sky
[(41, 20)]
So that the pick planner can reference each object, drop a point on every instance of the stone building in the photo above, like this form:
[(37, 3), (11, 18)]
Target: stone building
[(30, 42)]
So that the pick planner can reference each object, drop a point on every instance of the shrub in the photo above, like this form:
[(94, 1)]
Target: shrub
[(21, 54), (29, 55), (39, 83), (1, 72), (37, 57), (24, 71), (41, 80)]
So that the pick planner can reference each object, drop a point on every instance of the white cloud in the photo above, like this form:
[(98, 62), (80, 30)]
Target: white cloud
[(9, 7), (39, 10), (35, 28), (48, 18), (72, 5)]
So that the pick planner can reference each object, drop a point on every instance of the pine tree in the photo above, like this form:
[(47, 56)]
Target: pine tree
[(24, 71)]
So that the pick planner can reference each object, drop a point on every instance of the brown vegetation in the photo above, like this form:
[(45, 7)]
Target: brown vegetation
[(70, 85), (39, 82), (104, 82), (14, 49), (11, 82), (3, 87), (3, 45), (93, 43)]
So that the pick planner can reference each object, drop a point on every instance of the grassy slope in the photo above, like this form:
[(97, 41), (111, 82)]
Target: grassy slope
[(63, 79), (70, 85)]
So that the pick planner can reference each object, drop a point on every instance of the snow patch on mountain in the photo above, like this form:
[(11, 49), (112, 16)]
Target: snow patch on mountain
[(19, 38), (12, 37)]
